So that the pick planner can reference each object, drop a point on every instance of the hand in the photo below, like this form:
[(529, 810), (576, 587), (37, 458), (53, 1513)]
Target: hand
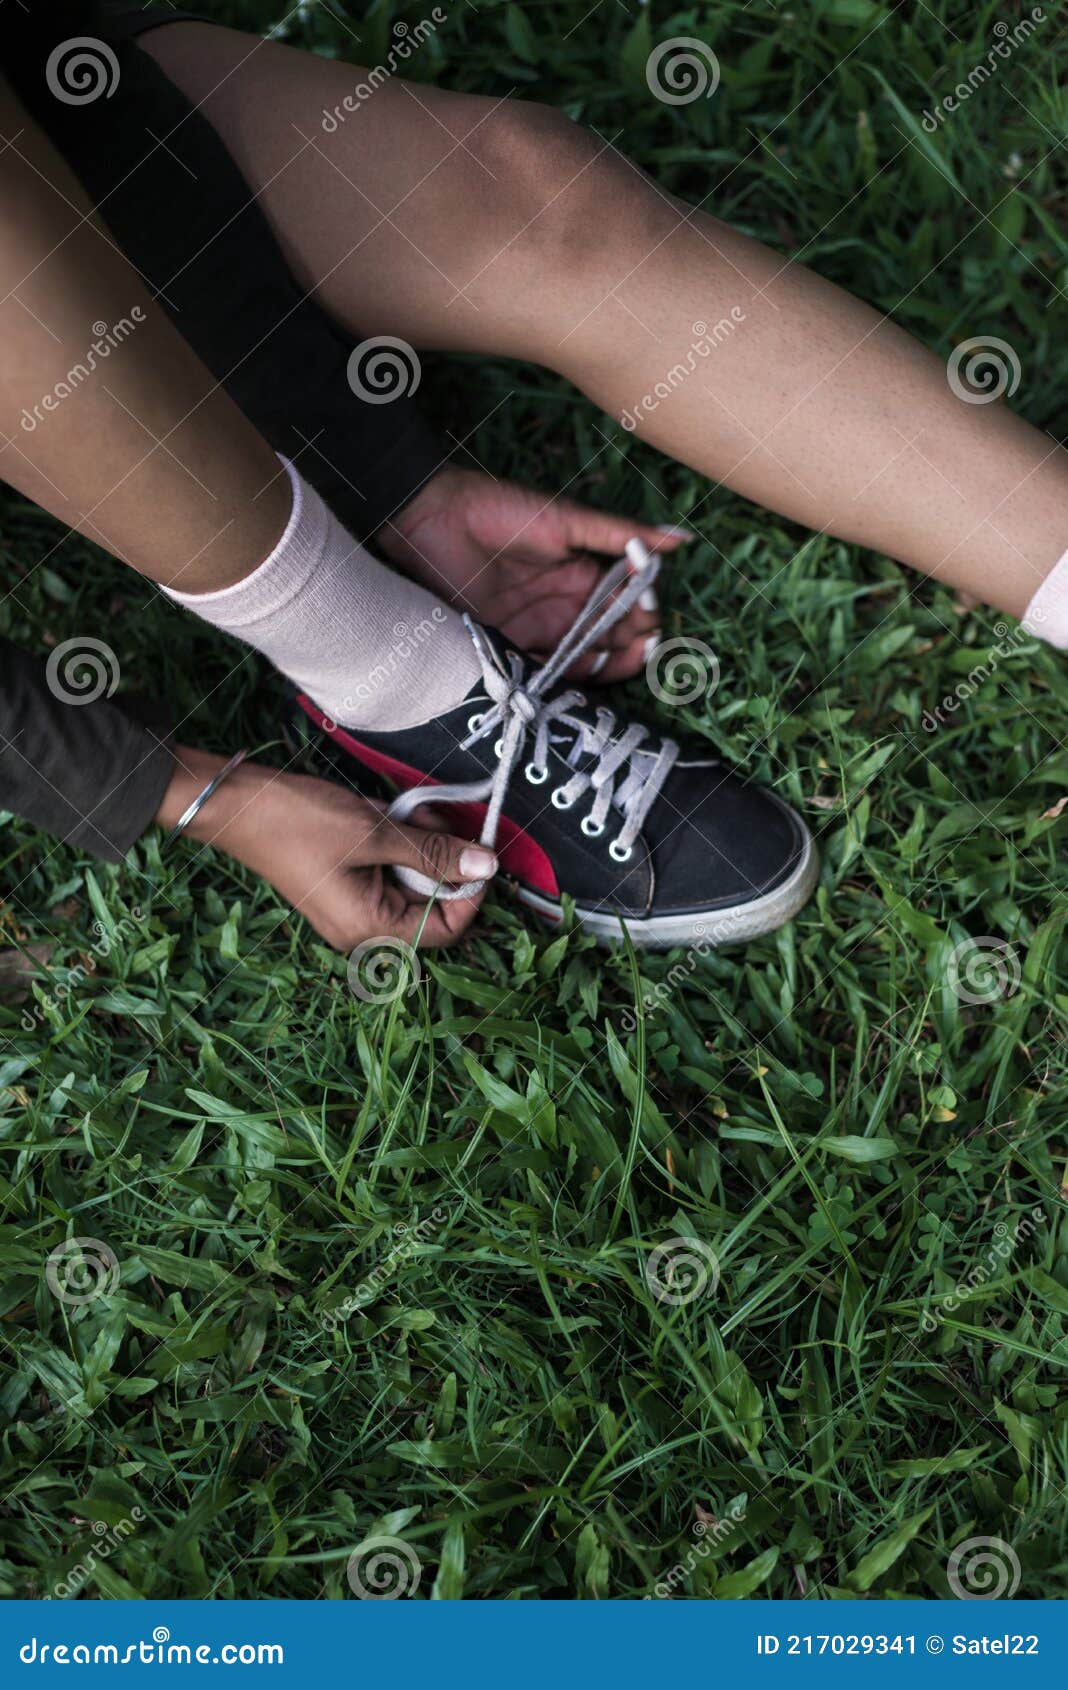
[(328, 852), (523, 563)]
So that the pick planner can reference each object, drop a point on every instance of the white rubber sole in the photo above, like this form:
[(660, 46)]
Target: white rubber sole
[(712, 928)]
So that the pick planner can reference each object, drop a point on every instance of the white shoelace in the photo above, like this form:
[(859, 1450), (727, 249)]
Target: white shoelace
[(621, 775)]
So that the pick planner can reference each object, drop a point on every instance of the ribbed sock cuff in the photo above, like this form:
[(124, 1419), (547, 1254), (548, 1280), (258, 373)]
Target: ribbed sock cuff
[(281, 576), (369, 646), (1046, 617)]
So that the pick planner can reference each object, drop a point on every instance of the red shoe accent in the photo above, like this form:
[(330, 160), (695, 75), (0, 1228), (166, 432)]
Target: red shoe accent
[(518, 853)]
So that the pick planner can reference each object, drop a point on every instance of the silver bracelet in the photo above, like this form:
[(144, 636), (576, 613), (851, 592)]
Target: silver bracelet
[(202, 797)]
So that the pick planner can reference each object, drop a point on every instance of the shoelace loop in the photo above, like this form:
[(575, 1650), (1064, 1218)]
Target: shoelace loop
[(519, 705)]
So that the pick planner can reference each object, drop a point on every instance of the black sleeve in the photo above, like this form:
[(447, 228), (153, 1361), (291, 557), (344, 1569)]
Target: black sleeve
[(87, 772)]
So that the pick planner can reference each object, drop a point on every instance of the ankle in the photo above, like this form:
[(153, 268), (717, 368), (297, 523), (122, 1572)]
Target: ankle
[(241, 544)]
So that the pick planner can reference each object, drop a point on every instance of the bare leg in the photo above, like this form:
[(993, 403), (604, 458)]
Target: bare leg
[(462, 222), (143, 453)]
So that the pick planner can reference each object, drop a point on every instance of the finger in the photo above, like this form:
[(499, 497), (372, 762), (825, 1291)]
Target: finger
[(434, 817), (637, 622), (368, 908), (597, 531), (441, 924), (648, 604), (665, 536), (622, 665), (540, 623), (429, 815), (540, 591), (442, 857), (632, 633)]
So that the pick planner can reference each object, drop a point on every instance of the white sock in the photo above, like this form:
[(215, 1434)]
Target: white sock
[(1047, 615), (371, 648)]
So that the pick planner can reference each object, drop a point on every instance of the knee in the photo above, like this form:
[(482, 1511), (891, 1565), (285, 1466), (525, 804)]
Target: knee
[(538, 152), (572, 201)]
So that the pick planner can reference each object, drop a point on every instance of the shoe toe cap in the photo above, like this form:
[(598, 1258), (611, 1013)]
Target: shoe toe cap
[(720, 842)]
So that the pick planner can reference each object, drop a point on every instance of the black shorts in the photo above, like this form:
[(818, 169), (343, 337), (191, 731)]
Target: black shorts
[(123, 22), (181, 211)]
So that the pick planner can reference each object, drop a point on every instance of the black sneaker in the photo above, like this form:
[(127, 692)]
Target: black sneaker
[(575, 801)]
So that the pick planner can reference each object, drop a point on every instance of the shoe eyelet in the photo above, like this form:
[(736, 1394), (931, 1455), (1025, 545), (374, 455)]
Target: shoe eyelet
[(475, 721), (536, 776), (618, 855), (592, 829), (558, 801), (498, 747)]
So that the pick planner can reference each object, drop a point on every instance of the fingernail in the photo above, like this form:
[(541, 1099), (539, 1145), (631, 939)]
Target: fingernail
[(649, 600), (476, 864), (675, 531), (651, 644), (637, 556), (600, 660)]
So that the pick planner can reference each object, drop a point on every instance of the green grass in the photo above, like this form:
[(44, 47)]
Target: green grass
[(822, 1111)]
